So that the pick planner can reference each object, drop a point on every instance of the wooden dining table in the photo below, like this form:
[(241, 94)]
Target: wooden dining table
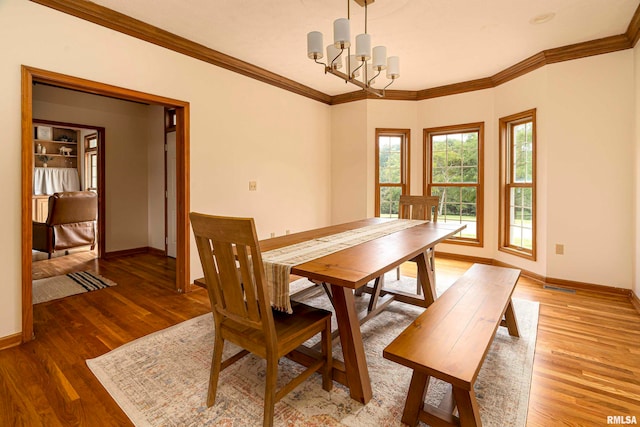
[(352, 268)]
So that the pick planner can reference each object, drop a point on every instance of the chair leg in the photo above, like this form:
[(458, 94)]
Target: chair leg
[(327, 371), (270, 391), (216, 362), (398, 273)]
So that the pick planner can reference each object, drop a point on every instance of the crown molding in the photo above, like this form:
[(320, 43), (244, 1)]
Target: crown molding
[(125, 24), (455, 88), (633, 30)]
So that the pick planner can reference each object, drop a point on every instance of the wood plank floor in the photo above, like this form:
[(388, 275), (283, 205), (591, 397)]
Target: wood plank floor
[(587, 361)]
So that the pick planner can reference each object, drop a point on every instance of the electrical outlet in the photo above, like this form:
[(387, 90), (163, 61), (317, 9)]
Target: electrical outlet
[(273, 234), (253, 186), (287, 232), (559, 249)]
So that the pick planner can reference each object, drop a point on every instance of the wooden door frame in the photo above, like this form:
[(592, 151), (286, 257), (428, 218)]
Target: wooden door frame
[(31, 75)]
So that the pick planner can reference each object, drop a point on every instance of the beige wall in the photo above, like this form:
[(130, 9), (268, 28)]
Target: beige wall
[(585, 152), (349, 162), (241, 129), (589, 134)]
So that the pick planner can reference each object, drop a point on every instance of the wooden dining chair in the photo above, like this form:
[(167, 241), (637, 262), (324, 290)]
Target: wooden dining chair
[(235, 280), (410, 207), (424, 208), (419, 207)]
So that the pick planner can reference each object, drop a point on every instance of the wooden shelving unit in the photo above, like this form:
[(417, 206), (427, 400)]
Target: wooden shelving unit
[(55, 146)]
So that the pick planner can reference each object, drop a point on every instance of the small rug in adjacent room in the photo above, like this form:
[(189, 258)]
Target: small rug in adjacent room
[(161, 379), (57, 287)]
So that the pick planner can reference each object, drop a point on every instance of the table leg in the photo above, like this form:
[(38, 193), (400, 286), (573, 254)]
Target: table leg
[(351, 340), (426, 278), (511, 320)]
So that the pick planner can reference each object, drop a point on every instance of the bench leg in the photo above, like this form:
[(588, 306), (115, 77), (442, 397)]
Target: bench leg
[(415, 398), (468, 410), (512, 321)]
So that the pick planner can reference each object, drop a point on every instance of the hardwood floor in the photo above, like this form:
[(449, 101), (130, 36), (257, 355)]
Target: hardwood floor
[(587, 361)]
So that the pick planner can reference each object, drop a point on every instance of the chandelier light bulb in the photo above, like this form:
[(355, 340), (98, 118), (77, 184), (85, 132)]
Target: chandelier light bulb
[(393, 67), (363, 47), (341, 33), (379, 58), (314, 45)]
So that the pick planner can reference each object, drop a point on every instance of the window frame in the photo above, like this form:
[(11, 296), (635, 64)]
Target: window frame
[(90, 153), (506, 125), (405, 153), (427, 179)]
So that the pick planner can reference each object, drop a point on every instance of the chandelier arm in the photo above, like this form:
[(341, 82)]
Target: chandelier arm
[(390, 83), (338, 56), (378, 92), (357, 68), (318, 62), (373, 78)]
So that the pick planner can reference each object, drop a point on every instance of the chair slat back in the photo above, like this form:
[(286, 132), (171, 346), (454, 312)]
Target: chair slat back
[(232, 264), (419, 207)]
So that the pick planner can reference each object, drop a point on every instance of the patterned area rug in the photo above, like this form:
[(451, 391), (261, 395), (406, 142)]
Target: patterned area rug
[(162, 378), (57, 287)]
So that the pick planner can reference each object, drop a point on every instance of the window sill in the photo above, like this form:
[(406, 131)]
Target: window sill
[(522, 254)]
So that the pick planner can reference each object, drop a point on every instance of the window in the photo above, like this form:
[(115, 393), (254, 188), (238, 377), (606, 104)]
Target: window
[(392, 170), (170, 119), (518, 184), (91, 162), (453, 171)]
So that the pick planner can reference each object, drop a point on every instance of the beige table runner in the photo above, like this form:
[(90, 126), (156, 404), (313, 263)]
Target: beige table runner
[(278, 262)]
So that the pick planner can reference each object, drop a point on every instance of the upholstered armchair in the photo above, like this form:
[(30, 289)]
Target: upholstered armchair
[(70, 223)]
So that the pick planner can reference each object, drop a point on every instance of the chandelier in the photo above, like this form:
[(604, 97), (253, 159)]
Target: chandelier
[(362, 63)]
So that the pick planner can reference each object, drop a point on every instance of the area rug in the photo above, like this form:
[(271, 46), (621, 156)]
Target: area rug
[(162, 378), (57, 287)]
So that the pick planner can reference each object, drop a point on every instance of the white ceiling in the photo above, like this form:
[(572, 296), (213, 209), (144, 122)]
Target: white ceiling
[(438, 41)]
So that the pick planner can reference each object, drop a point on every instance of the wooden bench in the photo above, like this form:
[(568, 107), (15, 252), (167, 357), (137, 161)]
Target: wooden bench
[(450, 340)]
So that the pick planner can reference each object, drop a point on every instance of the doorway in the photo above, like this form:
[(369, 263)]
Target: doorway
[(86, 161), (32, 75)]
